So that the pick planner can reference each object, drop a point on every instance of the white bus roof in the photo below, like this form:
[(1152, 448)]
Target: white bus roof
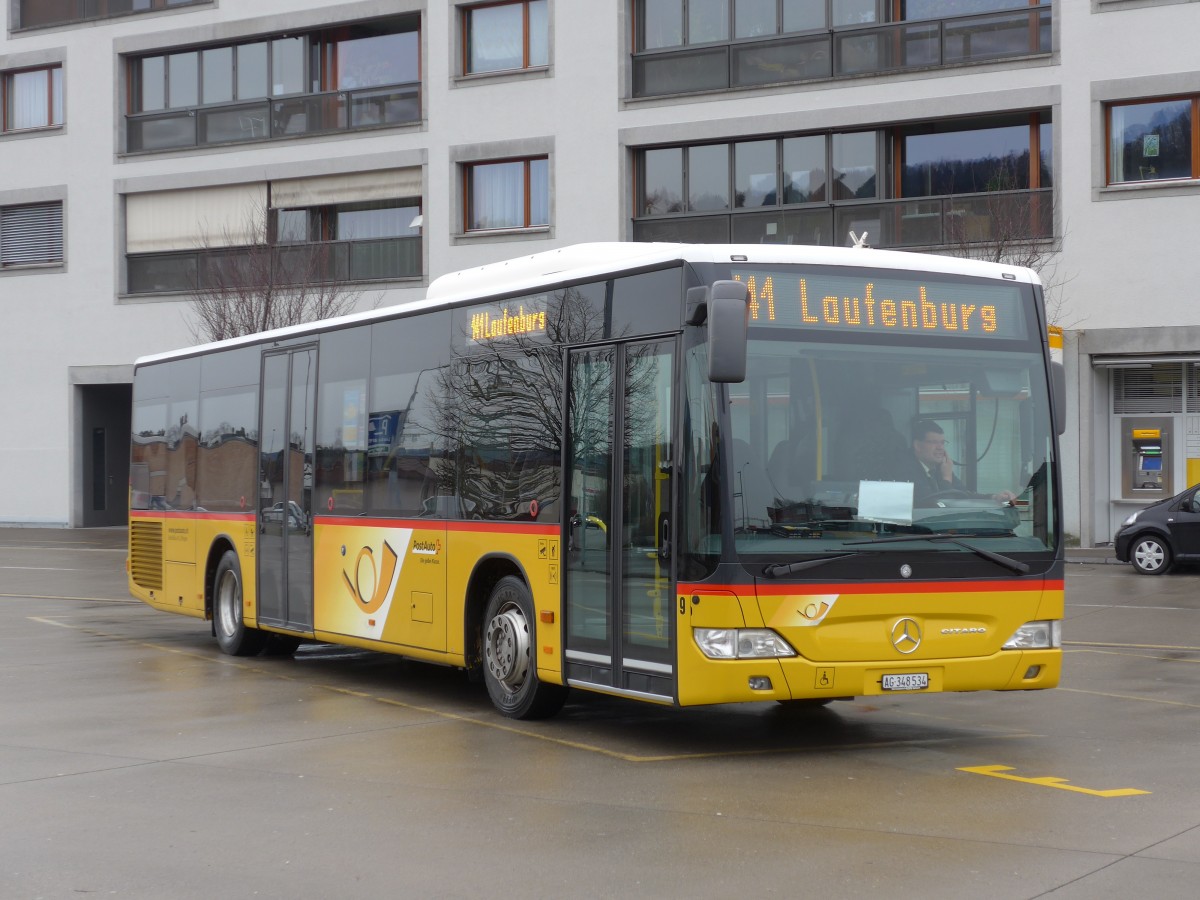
[(580, 262)]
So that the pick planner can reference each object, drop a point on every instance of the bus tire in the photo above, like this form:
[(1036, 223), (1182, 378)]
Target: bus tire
[(509, 657), (233, 635), (280, 645)]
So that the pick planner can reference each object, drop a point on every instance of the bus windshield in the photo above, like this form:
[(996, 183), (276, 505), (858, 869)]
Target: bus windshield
[(865, 443)]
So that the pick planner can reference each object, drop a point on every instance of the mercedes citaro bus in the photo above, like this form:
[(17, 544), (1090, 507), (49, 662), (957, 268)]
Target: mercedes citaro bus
[(683, 474)]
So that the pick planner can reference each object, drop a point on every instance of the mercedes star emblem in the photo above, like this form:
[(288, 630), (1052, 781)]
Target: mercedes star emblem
[(906, 635)]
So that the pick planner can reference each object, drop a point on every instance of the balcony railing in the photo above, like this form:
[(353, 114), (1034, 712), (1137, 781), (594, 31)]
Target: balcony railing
[(43, 13), (844, 52), (326, 262), (924, 222), (268, 120)]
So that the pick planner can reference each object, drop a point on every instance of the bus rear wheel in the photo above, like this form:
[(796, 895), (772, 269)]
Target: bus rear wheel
[(509, 663), (233, 635)]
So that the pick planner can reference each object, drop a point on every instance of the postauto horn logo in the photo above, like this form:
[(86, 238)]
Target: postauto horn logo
[(370, 582)]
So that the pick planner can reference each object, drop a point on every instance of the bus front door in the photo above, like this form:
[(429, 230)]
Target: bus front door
[(286, 442), (619, 530)]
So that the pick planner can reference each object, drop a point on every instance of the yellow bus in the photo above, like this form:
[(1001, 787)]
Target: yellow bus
[(683, 474)]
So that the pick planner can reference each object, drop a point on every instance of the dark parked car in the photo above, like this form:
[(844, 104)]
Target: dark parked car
[(1162, 533)]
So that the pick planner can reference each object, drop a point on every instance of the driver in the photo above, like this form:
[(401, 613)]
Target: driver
[(934, 470)]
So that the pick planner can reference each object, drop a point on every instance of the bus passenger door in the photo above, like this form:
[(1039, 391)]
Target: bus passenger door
[(620, 530), (286, 443)]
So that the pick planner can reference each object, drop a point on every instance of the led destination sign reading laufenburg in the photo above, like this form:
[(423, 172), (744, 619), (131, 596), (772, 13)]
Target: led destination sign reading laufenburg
[(883, 305), (525, 317)]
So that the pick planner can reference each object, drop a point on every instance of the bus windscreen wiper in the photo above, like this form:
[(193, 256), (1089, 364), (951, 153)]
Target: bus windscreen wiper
[(779, 570), (1013, 565)]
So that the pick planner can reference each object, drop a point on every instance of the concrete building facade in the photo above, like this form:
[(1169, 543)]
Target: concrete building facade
[(146, 141)]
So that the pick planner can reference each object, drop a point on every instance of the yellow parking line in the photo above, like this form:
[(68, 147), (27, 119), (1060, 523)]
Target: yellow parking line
[(1131, 697), (1091, 645), (53, 597), (1049, 781)]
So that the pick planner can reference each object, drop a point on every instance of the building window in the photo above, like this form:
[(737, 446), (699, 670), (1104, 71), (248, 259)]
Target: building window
[(351, 228), (936, 184), (501, 37), (1153, 140), (32, 98), (40, 13), (970, 157), (684, 46), (358, 76), (509, 194), (31, 234)]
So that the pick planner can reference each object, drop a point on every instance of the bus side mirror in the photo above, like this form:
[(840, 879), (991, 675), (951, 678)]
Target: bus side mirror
[(1058, 384), (728, 318)]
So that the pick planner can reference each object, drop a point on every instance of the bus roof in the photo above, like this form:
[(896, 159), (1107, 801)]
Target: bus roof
[(580, 262)]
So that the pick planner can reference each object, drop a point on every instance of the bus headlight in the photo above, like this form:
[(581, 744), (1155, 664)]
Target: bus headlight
[(741, 643), (1045, 635)]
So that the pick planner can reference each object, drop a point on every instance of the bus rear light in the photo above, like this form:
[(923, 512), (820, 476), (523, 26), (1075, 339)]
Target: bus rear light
[(741, 643)]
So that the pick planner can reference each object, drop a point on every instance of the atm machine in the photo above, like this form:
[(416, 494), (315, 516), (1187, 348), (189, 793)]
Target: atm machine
[(1146, 459)]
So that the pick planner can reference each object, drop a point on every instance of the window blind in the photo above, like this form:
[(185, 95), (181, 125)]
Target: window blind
[(226, 216), (353, 187), (31, 234)]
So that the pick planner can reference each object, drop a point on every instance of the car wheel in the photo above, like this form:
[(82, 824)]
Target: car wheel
[(233, 635), (1150, 555), (509, 661)]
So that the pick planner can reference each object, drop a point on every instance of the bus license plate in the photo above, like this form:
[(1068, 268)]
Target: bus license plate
[(909, 681)]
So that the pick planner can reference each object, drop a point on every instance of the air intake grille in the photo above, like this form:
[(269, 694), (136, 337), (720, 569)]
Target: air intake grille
[(145, 554)]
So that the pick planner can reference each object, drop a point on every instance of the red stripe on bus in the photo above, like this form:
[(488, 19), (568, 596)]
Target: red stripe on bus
[(878, 587), (439, 524), (190, 514)]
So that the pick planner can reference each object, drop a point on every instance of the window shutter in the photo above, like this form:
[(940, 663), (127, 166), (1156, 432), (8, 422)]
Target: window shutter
[(31, 234), (1153, 389)]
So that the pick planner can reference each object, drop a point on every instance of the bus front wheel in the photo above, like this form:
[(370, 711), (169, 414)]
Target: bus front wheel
[(233, 635), (509, 660)]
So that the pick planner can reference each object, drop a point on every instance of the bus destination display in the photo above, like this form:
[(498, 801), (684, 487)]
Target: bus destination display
[(827, 302)]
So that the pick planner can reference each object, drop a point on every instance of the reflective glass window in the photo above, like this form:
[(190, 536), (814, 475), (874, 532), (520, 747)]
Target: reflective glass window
[(405, 462), (228, 454), (854, 12), (342, 420), (708, 177), (855, 159), (661, 24), (966, 160), (804, 169), (754, 18), (183, 79), (152, 83), (754, 173), (662, 181), (708, 20), (287, 66), (941, 9), (803, 15), (371, 60), (1150, 141), (252, 71), (218, 74)]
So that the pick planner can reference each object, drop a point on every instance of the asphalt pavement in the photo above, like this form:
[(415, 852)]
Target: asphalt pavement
[(137, 761)]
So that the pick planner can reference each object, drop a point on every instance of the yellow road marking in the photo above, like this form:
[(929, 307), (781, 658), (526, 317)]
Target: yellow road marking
[(1130, 697), (1101, 645), (1049, 781)]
